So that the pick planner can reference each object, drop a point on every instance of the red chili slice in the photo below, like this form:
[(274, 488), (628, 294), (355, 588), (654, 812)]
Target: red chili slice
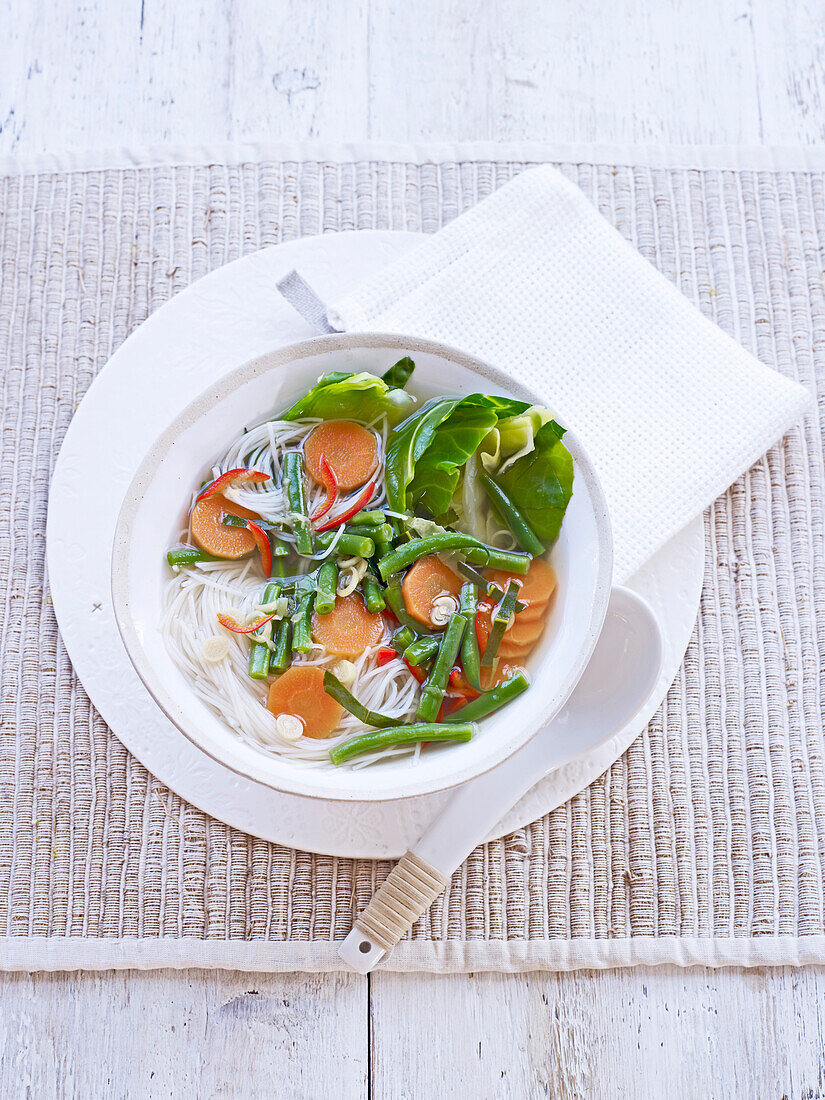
[(363, 499), (229, 478), (460, 687), (385, 655), (453, 702), (264, 546), (235, 626), (483, 628), (331, 487), (416, 672)]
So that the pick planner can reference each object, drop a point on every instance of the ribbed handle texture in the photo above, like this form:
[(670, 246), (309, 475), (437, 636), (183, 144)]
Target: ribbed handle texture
[(409, 891)]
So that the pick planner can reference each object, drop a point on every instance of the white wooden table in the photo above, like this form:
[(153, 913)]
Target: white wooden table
[(78, 74)]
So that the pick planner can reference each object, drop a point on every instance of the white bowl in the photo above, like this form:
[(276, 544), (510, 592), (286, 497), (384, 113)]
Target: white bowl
[(154, 511)]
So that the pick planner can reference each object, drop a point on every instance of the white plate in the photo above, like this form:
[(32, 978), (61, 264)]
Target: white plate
[(217, 324)]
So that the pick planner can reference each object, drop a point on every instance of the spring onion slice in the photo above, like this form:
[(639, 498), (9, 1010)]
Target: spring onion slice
[(334, 687), (501, 620)]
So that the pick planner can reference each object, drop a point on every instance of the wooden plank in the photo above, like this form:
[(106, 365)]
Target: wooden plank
[(711, 71), (627, 71), (185, 1034), (657, 1033), (789, 55), (97, 75)]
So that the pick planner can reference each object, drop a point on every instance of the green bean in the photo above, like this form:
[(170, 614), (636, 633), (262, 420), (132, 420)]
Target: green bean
[(259, 661), (302, 624), (281, 659), (468, 606), (327, 587), (504, 508), (293, 483), (278, 565), (432, 691), (373, 594), (400, 735), (385, 545), (280, 553), (402, 638), (399, 374), (373, 517), (187, 555), (349, 545), (395, 602), (271, 593), (491, 700), (298, 584), (382, 548), (490, 557), (334, 687), (470, 548), (422, 649), (259, 653), (501, 620), (378, 532)]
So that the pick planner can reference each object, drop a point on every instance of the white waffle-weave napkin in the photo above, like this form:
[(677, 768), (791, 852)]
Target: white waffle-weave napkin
[(535, 280)]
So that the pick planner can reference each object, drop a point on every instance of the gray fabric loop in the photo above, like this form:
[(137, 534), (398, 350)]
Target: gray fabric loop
[(300, 295)]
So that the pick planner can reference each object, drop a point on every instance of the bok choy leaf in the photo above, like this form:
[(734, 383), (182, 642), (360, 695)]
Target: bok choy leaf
[(540, 483), (362, 397)]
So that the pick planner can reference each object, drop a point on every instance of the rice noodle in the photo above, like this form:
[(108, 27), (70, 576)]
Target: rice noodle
[(195, 594)]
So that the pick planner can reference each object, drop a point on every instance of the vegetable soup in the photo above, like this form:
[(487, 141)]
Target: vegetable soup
[(366, 574)]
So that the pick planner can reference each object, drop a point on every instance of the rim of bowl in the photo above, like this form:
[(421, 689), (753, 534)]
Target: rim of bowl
[(276, 360)]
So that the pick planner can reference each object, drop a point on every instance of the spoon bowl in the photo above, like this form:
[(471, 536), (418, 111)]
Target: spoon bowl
[(618, 680)]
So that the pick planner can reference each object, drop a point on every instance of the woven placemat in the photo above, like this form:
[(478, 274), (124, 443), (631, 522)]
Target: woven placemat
[(704, 842)]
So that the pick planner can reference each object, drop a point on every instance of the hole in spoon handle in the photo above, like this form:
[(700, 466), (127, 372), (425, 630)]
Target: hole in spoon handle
[(412, 886)]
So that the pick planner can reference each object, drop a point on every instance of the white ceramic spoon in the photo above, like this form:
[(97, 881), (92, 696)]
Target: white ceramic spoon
[(618, 680)]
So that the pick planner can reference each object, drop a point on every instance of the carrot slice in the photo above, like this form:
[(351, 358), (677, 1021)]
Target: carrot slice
[(213, 536), (534, 613), (300, 692), (515, 650), (519, 639), (536, 587), (521, 633), (350, 449), (424, 582), (349, 628)]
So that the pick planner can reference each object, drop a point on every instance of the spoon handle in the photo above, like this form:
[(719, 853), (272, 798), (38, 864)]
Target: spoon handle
[(424, 872), (476, 807)]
